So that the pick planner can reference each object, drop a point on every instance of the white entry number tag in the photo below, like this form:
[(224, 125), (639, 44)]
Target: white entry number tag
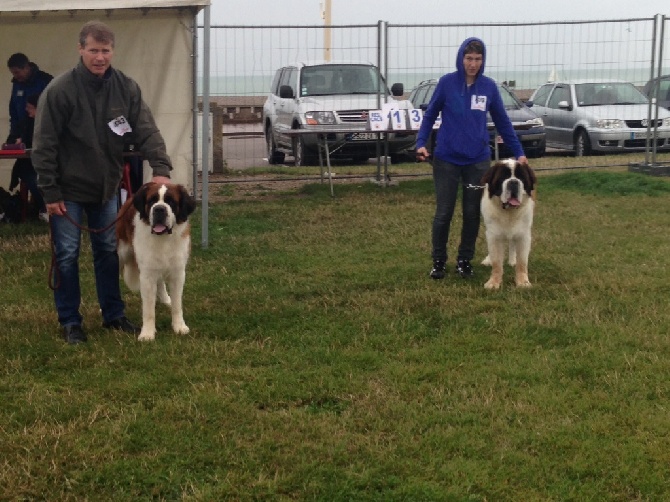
[(478, 103), (120, 125)]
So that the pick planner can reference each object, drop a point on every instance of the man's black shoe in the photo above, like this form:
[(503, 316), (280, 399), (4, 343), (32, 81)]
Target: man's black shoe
[(122, 324), (438, 270), (73, 334), (464, 269)]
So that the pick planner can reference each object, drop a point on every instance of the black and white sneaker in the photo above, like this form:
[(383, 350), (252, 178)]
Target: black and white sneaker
[(438, 271), (464, 269)]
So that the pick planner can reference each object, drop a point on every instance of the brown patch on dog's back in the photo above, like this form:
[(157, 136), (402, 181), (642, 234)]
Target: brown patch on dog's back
[(125, 227)]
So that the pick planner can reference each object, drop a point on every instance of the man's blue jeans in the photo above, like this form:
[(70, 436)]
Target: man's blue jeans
[(67, 242), (447, 177)]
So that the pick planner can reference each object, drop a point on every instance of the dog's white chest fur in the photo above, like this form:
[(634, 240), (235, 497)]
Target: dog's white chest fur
[(161, 253)]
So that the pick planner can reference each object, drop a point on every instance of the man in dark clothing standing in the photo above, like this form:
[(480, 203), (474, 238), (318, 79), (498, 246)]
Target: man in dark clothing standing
[(84, 119), (28, 80)]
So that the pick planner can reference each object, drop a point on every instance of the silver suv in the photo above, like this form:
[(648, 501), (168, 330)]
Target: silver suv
[(327, 96), (602, 116)]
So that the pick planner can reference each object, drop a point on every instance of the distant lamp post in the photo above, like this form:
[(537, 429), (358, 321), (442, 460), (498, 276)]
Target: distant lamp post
[(325, 15)]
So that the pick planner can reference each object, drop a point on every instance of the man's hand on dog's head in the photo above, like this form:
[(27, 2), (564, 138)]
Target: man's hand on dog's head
[(422, 154)]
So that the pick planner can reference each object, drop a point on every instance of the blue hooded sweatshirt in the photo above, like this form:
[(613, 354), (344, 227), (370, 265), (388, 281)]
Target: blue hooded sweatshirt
[(20, 92), (463, 138)]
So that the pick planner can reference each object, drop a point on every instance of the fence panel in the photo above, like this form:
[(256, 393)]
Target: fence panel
[(525, 55)]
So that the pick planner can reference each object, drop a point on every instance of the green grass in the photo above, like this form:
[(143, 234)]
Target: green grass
[(324, 364)]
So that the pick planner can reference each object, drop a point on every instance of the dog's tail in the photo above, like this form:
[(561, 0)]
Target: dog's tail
[(131, 275)]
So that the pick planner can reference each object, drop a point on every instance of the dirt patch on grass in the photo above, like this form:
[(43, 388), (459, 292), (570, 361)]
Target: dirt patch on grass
[(224, 187)]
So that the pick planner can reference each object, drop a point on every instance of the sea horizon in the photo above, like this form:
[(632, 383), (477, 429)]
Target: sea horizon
[(259, 85)]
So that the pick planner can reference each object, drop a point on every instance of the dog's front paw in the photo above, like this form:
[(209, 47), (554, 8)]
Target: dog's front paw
[(147, 335), (487, 261), (492, 284), (180, 328), (523, 284)]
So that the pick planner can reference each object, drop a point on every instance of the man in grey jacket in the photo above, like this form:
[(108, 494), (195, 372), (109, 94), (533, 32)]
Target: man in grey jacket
[(84, 118)]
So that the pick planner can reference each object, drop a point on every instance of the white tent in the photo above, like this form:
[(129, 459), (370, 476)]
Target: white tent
[(155, 42)]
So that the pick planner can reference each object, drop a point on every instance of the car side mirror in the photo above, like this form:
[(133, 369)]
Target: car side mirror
[(286, 91), (529, 104), (564, 105), (397, 90)]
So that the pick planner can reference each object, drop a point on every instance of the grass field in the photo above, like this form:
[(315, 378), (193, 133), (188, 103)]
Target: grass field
[(324, 364)]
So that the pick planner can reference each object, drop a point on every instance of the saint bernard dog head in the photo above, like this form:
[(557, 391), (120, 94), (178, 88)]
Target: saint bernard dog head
[(511, 181), (162, 207)]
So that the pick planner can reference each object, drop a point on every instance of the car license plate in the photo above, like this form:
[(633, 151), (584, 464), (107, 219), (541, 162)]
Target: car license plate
[(363, 136), (639, 135)]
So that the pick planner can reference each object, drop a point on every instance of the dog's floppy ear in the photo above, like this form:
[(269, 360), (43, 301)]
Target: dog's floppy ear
[(186, 205), (488, 175), (528, 177), (140, 201), (492, 178)]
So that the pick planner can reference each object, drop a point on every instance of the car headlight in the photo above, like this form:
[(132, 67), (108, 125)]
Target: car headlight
[(610, 123), (320, 118), (536, 122)]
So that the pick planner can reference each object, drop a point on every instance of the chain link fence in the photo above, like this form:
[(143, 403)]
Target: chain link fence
[(243, 60)]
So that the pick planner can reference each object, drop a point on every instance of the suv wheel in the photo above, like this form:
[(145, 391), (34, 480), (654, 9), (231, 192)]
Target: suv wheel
[(300, 156), (582, 144), (274, 156)]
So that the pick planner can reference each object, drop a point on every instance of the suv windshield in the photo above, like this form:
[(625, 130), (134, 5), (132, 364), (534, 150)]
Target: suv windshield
[(328, 80), (609, 94)]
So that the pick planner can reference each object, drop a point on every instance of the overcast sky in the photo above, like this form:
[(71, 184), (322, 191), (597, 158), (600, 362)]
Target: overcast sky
[(308, 12)]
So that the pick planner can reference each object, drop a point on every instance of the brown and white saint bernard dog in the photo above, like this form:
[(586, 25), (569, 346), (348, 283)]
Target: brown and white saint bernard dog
[(507, 206), (154, 243)]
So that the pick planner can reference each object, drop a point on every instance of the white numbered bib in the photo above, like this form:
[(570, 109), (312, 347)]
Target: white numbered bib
[(478, 103), (120, 125)]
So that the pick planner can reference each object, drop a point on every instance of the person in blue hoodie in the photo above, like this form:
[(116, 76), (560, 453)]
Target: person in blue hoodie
[(27, 80), (462, 153)]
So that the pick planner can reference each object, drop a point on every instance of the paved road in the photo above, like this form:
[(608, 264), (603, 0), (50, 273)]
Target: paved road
[(244, 147), (245, 150)]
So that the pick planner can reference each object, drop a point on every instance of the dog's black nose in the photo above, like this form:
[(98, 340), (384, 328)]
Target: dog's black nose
[(159, 214), (514, 188)]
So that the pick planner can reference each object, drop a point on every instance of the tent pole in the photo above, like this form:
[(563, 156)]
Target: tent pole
[(205, 130), (194, 104)]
